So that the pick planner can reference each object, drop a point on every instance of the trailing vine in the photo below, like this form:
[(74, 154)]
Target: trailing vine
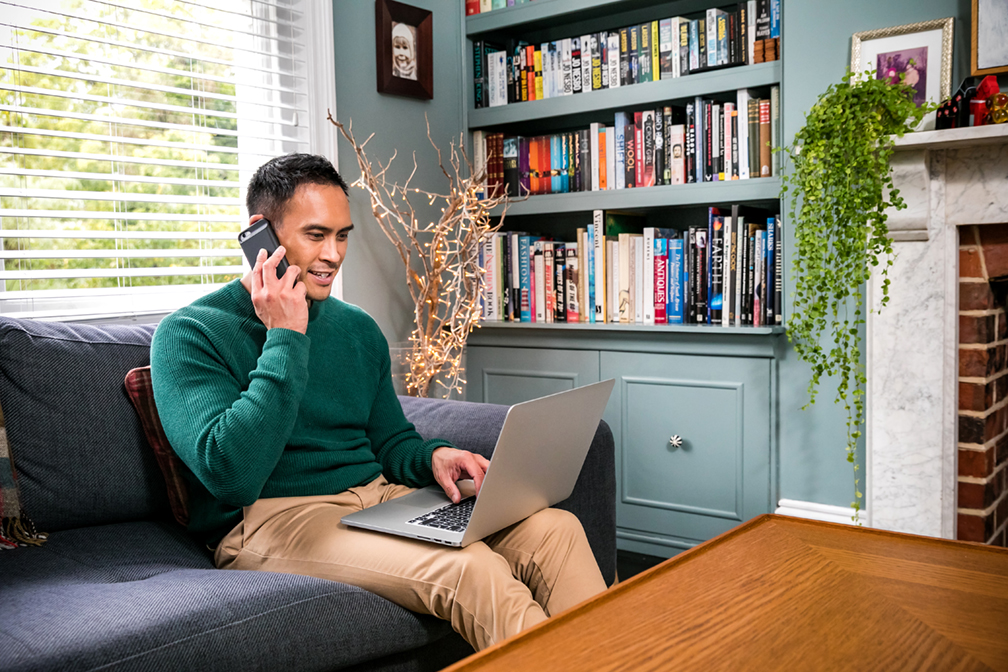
[(840, 187)]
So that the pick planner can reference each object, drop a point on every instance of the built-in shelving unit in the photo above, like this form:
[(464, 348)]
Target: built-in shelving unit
[(713, 386)]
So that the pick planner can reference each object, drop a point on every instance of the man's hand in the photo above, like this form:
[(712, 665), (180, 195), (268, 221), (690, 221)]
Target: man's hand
[(450, 465), (279, 302)]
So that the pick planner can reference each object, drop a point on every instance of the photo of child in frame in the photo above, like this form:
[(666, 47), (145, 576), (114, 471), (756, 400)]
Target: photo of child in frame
[(404, 51)]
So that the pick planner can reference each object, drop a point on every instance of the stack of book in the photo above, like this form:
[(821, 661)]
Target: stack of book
[(726, 273), (707, 141), (517, 71)]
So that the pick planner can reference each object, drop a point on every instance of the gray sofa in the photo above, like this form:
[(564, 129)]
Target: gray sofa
[(120, 585)]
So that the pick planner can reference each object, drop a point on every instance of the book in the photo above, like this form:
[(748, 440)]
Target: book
[(764, 138), (659, 147), (571, 281), (479, 74), (677, 134), (472, 7), (576, 65), (700, 152), (637, 277), (689, 144), (539, 282), (525, 278), (684, 47), (660, 286), (566, 65), (721, 17), (599, 246), (596, 172), (622, 275), (728, 290), (619, 150), (613, 59), (778, 272), (559, 285), (775, 129), (674, 305), (728, 160), (644, 53), (555, 163), (630, 153), (480, 161), (624, 56), (610, 157), (753, 131), (742, 112), (596, 62), (769, 272), (655, 53), (497, 78), (603, 160), (694, 45), (641, 158), (611, 281), (510, 165), (668, 44), (603, 38), (648, 300), (739, 248), (716, 283), (648, 142)]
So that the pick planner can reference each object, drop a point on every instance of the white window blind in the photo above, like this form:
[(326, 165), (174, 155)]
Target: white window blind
[(128, 131)]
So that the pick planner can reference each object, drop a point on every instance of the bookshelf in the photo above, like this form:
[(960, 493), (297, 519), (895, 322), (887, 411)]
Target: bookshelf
[(714, 386)]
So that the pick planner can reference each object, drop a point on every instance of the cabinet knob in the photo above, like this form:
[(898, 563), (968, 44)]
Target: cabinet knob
[(675, 441)]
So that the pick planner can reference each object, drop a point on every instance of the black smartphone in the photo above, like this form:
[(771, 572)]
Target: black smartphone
[(261, 236)]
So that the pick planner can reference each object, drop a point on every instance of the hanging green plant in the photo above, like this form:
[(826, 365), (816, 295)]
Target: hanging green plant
[(840, 186)]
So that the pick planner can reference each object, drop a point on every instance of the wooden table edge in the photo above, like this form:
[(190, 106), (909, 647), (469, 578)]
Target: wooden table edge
[(541, 629)]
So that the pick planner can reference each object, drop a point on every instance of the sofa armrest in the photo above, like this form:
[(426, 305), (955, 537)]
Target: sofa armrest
[(475, 427)]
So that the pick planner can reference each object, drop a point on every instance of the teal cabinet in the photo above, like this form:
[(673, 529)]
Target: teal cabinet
[(512, 375), (671, 497)]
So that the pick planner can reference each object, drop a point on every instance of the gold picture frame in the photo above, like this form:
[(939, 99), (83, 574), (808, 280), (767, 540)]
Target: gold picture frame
[(985, 39), (925, 37)]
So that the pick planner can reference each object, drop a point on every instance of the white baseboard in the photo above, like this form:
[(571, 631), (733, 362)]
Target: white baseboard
[(824, 512)]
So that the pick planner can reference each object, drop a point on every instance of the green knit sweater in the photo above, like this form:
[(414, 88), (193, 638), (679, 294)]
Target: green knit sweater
[(257, 413)]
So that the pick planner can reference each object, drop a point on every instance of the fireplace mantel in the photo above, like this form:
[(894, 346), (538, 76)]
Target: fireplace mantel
[(948, 179)]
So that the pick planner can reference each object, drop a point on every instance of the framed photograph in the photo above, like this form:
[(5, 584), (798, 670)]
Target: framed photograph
[(404, 51), (989, 41), (920, 52)]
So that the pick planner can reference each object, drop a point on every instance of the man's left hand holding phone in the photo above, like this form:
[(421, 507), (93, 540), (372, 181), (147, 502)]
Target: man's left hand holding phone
[(278, 297)]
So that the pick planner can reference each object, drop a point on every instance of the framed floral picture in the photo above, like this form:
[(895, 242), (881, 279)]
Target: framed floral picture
[(919, 54), (404, 49)]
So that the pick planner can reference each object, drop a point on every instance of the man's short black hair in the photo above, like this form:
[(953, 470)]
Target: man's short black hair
[(274, 184)]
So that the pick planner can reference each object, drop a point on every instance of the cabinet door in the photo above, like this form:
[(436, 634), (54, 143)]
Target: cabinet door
[(512, 375), (670, 498)]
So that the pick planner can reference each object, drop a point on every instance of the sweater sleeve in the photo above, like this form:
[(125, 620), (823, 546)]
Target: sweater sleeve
[(404, 455), (230, 438)]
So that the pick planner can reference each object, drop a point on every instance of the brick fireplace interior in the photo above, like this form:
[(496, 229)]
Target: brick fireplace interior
[(982, 507)]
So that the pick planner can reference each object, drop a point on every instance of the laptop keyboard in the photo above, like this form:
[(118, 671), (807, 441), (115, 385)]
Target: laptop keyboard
[(451, 517)]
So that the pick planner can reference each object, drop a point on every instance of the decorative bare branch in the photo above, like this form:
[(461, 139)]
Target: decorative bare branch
[(441, 258)]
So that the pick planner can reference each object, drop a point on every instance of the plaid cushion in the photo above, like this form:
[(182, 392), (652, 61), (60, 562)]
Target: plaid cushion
[(174, 470), (16, 529)]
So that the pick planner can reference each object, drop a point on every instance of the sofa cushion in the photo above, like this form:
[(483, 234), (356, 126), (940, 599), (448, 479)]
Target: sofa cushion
[(141, 393), (145, 596), (80, 450)]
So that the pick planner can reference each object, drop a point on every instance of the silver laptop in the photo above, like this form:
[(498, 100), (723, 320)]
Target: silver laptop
[(540, 451)]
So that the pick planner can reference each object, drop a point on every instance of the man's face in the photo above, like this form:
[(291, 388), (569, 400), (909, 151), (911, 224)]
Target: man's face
[(314, 231)]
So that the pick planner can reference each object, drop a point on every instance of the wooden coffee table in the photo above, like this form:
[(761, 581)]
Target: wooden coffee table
[(789, 594)]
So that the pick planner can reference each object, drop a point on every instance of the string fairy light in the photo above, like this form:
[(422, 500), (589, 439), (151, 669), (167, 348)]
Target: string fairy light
[(445, 278)]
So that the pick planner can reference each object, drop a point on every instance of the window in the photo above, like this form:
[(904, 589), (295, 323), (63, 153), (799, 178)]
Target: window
[(128, 131)]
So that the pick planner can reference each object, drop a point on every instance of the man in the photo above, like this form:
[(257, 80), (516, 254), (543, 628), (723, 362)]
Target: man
[(279, 398)]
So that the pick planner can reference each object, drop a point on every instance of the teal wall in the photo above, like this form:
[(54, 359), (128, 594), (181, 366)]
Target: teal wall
[(373, 276), (816, 51)]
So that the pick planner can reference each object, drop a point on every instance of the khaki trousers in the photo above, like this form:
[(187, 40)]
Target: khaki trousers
[(488, 591)]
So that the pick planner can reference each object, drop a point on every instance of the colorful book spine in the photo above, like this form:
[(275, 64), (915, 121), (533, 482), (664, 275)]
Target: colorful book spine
[(597, 241), (661, 280), (674, 305), (572, 282), (525, 278)]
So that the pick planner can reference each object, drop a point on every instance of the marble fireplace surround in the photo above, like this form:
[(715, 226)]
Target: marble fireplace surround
[(948, 179)]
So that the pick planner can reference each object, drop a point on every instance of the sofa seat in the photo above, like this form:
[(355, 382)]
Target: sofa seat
[(144, 595)]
